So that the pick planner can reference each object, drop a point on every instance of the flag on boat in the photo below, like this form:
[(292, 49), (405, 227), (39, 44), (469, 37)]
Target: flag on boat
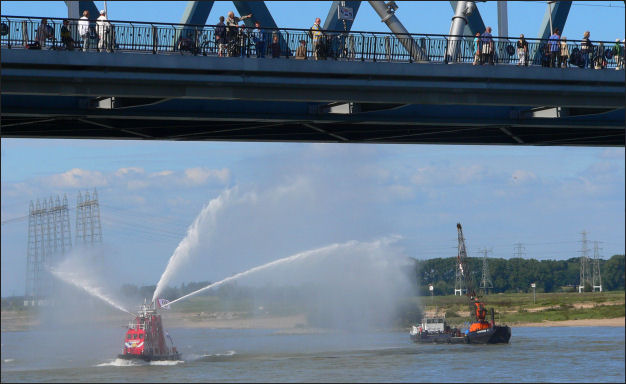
[(163, 303)]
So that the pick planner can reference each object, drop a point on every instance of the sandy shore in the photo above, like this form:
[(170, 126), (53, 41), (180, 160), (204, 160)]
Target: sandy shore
[(618, 322)]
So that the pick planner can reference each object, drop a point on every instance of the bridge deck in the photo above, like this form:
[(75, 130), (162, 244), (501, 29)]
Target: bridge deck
[(183, 97)]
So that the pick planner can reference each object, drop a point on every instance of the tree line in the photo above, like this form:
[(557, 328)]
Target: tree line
[(517, 274)]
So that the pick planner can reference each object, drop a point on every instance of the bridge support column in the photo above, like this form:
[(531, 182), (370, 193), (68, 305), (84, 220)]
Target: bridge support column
[(459, 21), (75, 9), (474, 21), (388, 17)]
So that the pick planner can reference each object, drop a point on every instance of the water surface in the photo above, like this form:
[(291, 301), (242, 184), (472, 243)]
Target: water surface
[(556, 354)]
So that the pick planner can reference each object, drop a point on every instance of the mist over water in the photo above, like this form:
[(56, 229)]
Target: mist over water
[(348, 285)]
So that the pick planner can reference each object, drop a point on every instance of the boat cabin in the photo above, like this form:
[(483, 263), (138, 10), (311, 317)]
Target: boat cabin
[(433, 324)]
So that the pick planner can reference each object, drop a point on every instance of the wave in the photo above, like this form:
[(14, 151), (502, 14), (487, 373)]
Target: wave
[(120, 363), (210, 356), (166, 362)]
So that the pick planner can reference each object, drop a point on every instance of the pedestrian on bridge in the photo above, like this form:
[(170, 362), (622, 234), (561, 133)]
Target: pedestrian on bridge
[(316, 33), (487, 47), (477, 49), (618, 53), (104, 32), (83, 29), (564, 57), (555, 48), (585, 48), (66, 35), (301, 50), (220, 37), (43, 33), (232, 31), (258, 35), (275, 47), (522, 51)]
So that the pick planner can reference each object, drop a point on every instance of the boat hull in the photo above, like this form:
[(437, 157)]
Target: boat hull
[(174, 356), (437, 338), (499, 334)]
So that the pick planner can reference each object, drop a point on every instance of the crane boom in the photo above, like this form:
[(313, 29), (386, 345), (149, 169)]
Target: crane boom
[(462, 262)]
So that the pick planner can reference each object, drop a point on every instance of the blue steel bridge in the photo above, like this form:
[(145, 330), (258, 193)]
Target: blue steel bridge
[(369, 87)]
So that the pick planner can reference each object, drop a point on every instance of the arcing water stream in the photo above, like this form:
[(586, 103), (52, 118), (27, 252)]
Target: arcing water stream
[(182, 251), (75, 279), (319, 252)]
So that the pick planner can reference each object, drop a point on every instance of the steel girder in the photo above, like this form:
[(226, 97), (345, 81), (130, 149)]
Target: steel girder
[(332, 22), (560, 10), (75, 9), (69, 117), (197, 12)]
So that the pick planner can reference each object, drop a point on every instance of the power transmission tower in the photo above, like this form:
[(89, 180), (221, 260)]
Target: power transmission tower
[(88, 228), (584, 263), (49, 237), (485, 282), (519, 250), (597, 279), (458, 282)]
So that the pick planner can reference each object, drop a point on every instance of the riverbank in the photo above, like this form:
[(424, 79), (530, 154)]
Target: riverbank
[(19, 321)]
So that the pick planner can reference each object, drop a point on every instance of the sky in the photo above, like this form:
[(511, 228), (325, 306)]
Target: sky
[(308, 195)]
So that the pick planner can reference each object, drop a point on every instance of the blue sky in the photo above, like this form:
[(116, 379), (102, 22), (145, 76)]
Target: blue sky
[(311, 195)]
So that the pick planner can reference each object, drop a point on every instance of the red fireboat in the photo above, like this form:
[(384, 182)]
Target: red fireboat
[(145, 339)]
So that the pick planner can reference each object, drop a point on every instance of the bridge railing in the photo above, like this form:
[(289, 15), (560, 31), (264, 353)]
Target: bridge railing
[(168, 38)]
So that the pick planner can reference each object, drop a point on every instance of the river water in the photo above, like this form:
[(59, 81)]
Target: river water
[(557, 354)]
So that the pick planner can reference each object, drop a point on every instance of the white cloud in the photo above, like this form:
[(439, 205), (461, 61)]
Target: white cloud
[(126, 171), (77, 178), (200, 175), (162, 173)]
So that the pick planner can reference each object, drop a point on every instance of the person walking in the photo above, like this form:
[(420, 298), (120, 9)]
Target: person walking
[(564, 56), (487, 47), (104, 32), (220, 37), (83, 30), (477, 60), (258, 35), (522, 51), (316, 33), (585, 48), (555, 48)]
